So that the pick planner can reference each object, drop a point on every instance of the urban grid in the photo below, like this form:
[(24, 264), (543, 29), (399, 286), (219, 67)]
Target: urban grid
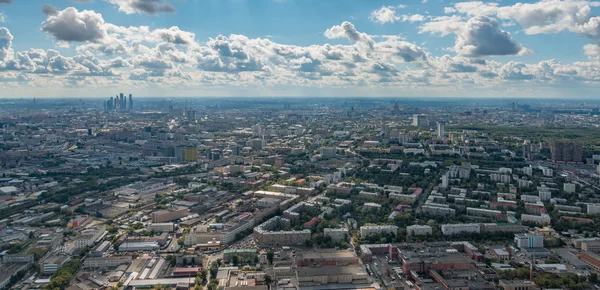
[(316, 193)]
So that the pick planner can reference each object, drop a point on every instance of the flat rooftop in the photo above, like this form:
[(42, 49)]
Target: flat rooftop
[(331, 270)]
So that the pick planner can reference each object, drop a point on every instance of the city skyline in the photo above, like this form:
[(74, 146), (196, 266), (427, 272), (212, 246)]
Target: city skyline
[(299, 48)]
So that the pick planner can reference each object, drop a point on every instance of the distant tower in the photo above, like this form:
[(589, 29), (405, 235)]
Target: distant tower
[(121, 103), (396, 108), (130, 102), (109, 106), (440, 130), (116, 102)]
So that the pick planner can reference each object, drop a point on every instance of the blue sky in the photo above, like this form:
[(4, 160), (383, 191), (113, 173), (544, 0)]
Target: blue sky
[(299, 47)]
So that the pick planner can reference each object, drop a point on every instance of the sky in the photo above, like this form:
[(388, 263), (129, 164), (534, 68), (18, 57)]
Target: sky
[(278, 48)]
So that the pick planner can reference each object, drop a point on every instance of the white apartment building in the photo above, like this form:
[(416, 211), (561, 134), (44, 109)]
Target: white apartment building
[(370, 230), (418, 230), (454, 229)]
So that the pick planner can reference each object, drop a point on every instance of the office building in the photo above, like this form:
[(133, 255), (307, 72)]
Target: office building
[(440, 130), (525, 241), (130, 102), (170, 214), (186, 153), (191, 116), (420, 120)]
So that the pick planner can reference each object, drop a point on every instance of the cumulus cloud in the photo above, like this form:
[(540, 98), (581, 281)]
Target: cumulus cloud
[(347, 30), (150, 7), (5, 1), (175, 35), (543, 17), (385, 14), (482, 37), (173, 58), (5, 45), (479, 36), (2, 17), (71, 25), (591, 49)]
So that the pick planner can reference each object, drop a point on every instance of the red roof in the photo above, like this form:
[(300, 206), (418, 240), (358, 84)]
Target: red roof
[(572, 218), (415, 190), (311, 222)]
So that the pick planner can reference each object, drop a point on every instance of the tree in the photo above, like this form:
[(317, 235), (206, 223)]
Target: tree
[(268, 280), (235, 260), (203, 276), (593, 277), (270, 256)]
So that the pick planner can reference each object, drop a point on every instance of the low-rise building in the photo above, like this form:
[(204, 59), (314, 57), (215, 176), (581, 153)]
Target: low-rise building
[(455, 229), (366, 231), (418, 230), (518, 285), (336, 235), (106, 262), (170, 214), (271, 233)]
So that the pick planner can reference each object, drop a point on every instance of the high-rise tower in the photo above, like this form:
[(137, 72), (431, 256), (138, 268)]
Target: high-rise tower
[(130, 102), (121, 103)]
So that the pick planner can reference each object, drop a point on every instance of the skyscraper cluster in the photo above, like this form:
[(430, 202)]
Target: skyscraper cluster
[(119, 103)]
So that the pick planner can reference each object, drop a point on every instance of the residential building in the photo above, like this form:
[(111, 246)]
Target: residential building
[(418, 230), (455, 229), (366, 231), (336, 235), (269, 233)]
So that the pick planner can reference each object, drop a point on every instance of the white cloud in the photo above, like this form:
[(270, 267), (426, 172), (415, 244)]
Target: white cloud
[(478, 36), (543, 17), (172, 59), (482, 37), (151, 7), (591, 49), (347, 30), (385, 14), (2, 17), (70, 25), (413, 18)]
